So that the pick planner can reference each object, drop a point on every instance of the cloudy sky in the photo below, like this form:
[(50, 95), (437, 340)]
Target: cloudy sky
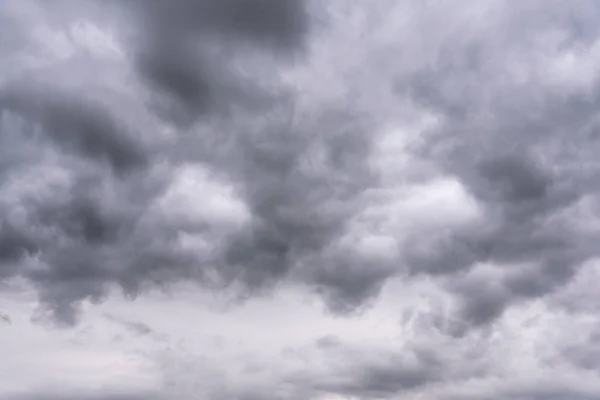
[(304, 200)]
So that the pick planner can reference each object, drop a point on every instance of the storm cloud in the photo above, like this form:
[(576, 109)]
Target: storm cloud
[(348, 151)]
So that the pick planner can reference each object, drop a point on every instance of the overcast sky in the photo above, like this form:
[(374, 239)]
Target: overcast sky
[(304, 200)]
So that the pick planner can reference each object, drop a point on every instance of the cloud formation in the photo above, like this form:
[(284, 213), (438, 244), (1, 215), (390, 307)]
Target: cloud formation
[(245, 146)]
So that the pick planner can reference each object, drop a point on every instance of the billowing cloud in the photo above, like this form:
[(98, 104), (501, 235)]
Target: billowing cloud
[(250, 147)]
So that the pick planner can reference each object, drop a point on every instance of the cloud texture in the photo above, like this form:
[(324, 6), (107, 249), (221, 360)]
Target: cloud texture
[(351, 151)]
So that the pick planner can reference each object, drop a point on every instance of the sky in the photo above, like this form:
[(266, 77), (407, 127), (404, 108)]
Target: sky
[(299, 199)]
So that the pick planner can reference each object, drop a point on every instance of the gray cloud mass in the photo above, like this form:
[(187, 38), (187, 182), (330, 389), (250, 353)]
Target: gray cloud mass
[(236, 145)]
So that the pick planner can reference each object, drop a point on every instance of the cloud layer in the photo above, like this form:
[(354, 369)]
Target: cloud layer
[(250, 147)]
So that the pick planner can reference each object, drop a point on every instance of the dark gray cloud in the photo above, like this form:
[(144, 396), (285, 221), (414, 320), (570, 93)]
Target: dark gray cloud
[(5, 318), (75, 124), (137, 328), (297, 213), (103, 396), (99, 226), (275, 22), (327, 342), (385, 378), (296, 216), (509, 148), (89, 189), (184, 49), (368, 372)]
